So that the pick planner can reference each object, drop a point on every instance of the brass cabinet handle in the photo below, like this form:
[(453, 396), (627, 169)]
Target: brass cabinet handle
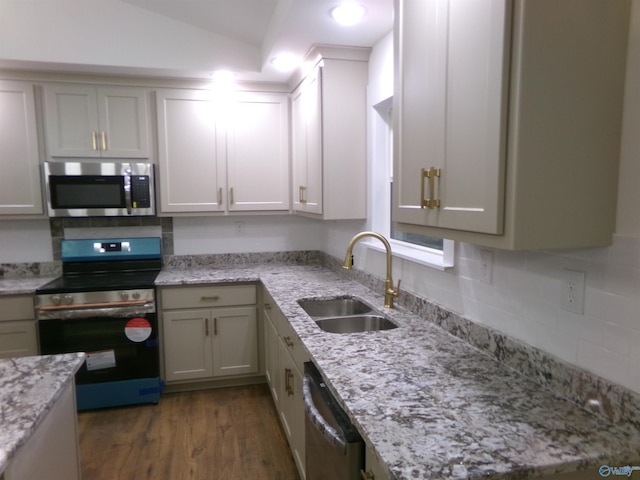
[(430, 175), (206, 327), (209, 298), (94, 140), (288, 376), (287, 341), (220, 196), (215, 326), (231, 196), (267, 306), (301, 191), (103, 135), (367, 475)]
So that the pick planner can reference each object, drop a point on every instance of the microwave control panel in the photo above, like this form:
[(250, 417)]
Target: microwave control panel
[(140, 191)]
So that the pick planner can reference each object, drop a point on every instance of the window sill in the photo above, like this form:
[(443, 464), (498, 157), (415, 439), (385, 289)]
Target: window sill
[(439, 260)]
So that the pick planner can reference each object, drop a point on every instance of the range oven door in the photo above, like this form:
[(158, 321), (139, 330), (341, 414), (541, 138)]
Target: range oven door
[(122, 366)]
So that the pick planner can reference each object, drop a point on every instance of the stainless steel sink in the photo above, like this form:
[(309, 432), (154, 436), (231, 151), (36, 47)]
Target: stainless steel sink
[(355, 323), (334, 307), (345, 315)]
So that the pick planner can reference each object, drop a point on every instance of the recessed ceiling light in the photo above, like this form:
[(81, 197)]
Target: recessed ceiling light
[(223, 76), (348, 13), (285, 62)]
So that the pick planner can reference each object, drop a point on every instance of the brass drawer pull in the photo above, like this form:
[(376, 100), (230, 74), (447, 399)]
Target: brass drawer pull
[(367, 475), (210, 298), (287, 341)]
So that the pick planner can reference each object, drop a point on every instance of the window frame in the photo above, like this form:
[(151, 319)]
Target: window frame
[(381, 176)]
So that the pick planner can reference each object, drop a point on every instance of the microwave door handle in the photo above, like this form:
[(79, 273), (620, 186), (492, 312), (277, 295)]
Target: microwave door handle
[(127, 194)]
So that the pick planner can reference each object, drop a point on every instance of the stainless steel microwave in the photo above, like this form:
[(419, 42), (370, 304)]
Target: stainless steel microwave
[(99, 189)]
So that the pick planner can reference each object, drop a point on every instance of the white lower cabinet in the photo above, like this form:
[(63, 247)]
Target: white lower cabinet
[(209, 332), (52, 450), (18, 332), (373, 469), (285, 357)]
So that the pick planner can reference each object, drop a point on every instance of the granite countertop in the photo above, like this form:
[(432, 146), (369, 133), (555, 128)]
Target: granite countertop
[(431, 405), (29, 387), (26, 285)]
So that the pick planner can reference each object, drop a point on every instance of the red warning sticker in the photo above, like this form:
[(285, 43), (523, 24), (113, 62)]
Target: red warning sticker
[(137, 329)]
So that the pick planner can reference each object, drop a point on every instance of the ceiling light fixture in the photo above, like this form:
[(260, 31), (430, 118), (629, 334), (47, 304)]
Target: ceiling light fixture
[(285, 62), (348, 13)]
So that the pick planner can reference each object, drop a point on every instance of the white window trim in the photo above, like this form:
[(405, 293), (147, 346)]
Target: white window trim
[(429, 257), (380, 214)]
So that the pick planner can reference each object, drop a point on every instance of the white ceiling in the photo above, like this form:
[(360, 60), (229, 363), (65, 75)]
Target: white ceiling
[(180, 38)]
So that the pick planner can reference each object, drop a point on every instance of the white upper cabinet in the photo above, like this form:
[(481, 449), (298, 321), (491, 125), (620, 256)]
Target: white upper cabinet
[(507, 120), (88, 122), (258, 152), (20, 190), (223, 155), (328, 128), (190, 153)]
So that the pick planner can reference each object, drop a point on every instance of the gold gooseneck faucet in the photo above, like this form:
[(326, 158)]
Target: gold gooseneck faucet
[(389, 292)]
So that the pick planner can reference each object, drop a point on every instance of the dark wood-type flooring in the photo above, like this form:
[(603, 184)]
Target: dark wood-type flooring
[(218, 434)]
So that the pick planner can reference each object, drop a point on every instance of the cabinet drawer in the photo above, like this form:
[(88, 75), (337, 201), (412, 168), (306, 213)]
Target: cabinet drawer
[(208, 296), (19, 307)]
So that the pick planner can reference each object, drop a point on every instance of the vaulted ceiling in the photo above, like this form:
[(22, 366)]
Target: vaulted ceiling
[(177, 38)]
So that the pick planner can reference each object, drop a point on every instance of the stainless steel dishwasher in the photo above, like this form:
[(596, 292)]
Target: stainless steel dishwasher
[(334, 448)]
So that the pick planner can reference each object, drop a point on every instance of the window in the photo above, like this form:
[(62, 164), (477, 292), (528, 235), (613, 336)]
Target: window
[(434, 252)]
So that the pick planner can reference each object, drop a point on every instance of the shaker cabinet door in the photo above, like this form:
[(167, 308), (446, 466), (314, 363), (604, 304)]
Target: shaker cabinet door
[(20, 190), (190, 152), (451, 111)]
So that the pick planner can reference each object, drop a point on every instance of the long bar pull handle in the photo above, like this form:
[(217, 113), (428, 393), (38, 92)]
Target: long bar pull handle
[(231, 196), (430, 175), (215, 326), (209, 298), (220, 196), (301, 194), (206, 327), (94, 140), (103, 135)]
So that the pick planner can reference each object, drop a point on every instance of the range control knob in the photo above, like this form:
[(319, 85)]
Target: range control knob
[(124, 296), (136, 295), (67, 299), (55, 299)]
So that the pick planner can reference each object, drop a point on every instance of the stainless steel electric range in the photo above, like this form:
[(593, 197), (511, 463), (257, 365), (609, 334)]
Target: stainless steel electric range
[(104, 304)]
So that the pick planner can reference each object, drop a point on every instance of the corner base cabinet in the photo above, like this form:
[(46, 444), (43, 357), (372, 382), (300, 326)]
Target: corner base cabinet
[(209, 332), (507, 120)]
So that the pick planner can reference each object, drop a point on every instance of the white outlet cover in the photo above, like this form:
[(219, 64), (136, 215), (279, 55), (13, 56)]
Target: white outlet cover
[(573, 291), (486, 266)]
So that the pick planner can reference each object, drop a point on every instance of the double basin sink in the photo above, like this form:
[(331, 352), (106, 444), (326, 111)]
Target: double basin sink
[(345, 315)]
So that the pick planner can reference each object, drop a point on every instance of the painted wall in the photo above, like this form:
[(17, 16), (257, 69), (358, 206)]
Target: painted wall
[(523, 298)]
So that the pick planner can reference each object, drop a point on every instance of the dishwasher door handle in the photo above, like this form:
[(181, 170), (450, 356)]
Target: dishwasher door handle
[(330, 433)]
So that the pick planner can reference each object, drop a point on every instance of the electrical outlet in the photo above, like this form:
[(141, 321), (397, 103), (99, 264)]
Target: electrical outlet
[(486, 266), (573, 291)]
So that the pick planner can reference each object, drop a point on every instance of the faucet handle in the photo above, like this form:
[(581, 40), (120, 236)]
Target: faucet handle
[(396, 292)]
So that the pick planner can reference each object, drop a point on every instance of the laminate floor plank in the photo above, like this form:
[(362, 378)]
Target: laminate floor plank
[(218, 434)]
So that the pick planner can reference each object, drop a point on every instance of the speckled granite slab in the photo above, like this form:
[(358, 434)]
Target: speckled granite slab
[(432, 405), (29, 387)]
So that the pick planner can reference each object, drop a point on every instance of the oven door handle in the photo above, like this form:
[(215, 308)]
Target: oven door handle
[(85, 306), (95, 310)]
